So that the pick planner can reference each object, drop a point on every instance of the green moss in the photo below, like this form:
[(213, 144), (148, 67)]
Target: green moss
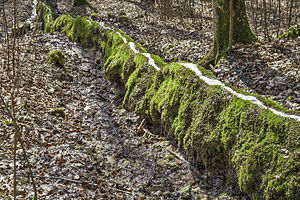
[(63, 23), (79, 2), (292, 32), (123, 16), (137, 86), (120, 62), (134, 77), (10, 123), (48, 16), (58, 112), (118, 58), (94, 16), (111, 15), (122, 12), (226, 134), (206, 72), (79, 29), (171, 157), (160, 63), (251, 141), (266, 101), (56, 58)]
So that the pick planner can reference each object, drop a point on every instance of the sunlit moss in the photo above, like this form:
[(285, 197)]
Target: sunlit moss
[(48, 16), (79, 29), (56, 58), (60, 112)]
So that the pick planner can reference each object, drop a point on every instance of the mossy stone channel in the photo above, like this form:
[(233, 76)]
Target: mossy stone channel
[(250, 146)]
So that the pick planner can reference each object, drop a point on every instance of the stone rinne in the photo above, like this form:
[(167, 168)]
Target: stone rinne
[(250, 146)]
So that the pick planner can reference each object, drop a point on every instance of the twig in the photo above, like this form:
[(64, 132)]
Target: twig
[(65, 179), (141, 125), (191, 168), (81, 182), (119, 190)]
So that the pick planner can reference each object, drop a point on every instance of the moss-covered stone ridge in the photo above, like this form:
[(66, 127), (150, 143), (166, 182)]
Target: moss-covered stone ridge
[(47, 14), (249, 145)]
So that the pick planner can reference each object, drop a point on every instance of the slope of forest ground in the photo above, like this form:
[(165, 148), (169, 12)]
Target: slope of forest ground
[(75, 172)]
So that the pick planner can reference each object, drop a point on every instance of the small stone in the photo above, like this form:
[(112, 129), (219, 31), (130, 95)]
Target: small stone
[(166, 194), (51, 90), (285, 151), (297, 92), (297, 88), (76, 177), (158, 193), (296, 100), (111, 160), (58, 112), (161, 162)]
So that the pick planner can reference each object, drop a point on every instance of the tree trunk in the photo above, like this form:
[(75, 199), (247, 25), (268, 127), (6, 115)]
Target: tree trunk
[(241, 32)]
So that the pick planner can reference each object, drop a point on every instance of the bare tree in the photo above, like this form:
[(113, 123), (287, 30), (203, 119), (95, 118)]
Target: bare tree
[(226, 27), (8, 97)]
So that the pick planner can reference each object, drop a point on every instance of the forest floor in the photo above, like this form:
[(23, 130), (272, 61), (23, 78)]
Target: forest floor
[(98, 150)]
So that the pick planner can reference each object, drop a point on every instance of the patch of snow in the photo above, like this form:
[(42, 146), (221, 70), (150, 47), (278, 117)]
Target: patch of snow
[(34, 13), (132, 47), (252, 99), (151, 61), (123, 38)]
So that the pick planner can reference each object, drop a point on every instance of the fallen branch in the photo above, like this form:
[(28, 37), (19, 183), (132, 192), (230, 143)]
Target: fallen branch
[(65, 179)]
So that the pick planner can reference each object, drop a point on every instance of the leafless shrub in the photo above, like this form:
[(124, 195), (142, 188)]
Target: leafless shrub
[(10, 68)]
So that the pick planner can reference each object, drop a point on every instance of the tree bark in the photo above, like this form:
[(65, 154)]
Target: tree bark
[(241, 31)]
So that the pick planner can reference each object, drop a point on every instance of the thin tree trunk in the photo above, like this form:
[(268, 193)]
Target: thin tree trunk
[(12, 99), (266, 32), (255, 20), (13, 54), (241, 32), (290, 13), (231, 25), (279, 18)]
